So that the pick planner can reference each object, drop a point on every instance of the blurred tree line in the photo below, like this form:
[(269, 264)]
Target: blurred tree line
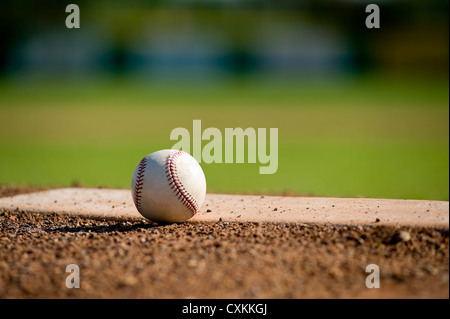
[(239, 37)]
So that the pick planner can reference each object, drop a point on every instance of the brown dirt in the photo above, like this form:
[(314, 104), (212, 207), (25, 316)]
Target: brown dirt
[(136, 259)]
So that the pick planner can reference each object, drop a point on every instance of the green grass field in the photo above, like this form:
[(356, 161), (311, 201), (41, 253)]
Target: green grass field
[(373, 138)]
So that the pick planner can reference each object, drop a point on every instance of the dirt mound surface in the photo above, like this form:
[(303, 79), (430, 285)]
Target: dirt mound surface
[(221, 259)]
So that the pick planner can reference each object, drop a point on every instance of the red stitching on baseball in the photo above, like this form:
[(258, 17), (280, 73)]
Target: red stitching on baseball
[(139, 182), (175, 184)]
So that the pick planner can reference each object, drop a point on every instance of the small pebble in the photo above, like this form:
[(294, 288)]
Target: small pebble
[(403, 236)]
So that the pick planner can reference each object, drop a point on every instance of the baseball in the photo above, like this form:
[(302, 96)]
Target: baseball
[(168, 186)]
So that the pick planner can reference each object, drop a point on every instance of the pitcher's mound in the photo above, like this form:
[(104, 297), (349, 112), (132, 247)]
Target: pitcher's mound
[(118, 205)]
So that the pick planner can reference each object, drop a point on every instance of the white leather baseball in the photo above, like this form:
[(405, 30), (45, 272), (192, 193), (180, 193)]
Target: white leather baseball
[(168, 186)]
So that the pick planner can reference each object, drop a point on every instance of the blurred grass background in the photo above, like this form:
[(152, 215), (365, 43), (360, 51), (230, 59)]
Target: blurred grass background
[(348, 140), (359, 112)]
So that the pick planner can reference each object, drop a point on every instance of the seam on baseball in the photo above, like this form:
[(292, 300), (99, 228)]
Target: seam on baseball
[(139, 182), (172, 177)]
